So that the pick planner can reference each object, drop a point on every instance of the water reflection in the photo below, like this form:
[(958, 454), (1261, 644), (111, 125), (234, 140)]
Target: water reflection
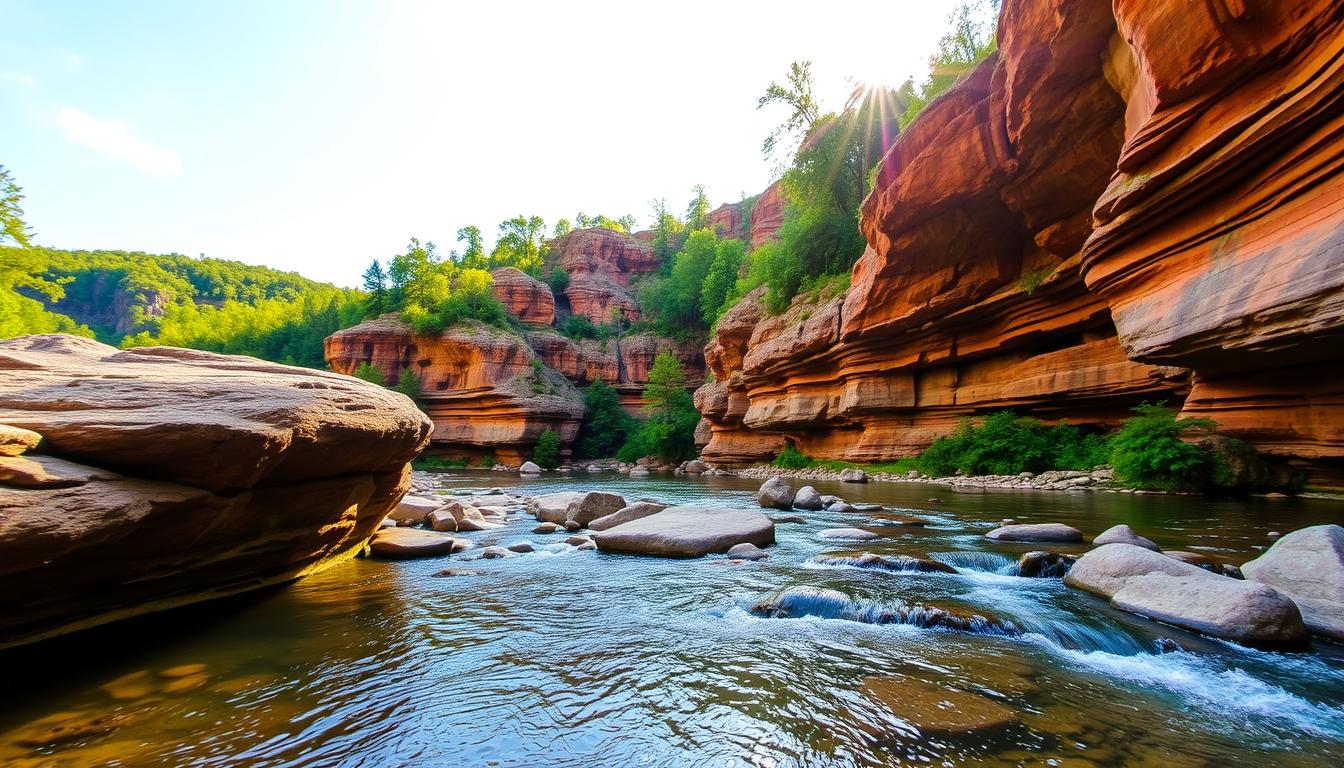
[(562, 657)]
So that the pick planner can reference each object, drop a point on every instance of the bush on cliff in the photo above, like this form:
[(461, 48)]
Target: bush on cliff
[(1005, 443), (606, 425), (408, 384), (669, 431), (433, 293), (369, 372), (546, 453)]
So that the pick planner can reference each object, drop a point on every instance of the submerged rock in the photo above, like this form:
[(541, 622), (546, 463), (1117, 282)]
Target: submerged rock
[(1057, 532), (231, 474), (688, 531), (1123, 534), (775, 493), (521, 547), (494, 553), (935, 709), (747, 551), (893, 563), (851, 534), (1307, 565), (548, 528), (796, 602), (626, 514)]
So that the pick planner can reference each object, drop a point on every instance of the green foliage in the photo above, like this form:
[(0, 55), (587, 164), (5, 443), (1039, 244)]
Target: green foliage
[(968, 43), (578, 327), (675, 300), (669, 430), (519, 244), (433, 294), (668, 232), (1032, 280), (559, 280), (1004, 443), (606, 425), (797, 95), (440, 462), (1148, 451), (12, 226), (792, 458), (546, 453), (698, 209), (408, 384), (720, 278), (473, 256), (625, 224), (369, 372)]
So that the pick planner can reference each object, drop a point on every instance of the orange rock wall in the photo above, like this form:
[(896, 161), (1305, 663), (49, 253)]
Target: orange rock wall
[(1111, 208)]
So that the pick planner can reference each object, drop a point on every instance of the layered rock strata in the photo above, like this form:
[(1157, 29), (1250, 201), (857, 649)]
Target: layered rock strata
[(1117, 206), (166, 476)]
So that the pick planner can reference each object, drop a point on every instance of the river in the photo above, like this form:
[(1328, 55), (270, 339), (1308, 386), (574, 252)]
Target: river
[(578, 658)]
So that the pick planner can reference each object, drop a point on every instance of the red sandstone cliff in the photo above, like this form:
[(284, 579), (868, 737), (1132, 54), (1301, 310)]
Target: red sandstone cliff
[(1115, 207)]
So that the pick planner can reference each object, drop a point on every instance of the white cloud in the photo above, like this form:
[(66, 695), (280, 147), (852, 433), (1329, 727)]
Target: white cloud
[(73, 61), (22, 78), (115, 140)]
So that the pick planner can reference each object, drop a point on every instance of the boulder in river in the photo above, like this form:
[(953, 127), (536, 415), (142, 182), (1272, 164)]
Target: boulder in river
[(548, 528), (747, 551), (1123, 534), (688, 531), (1056, 532), (184, 476), (529, 468), (408, 543), (851, 534), (593, 505), (807, 498), (775, 493), (1241, 611), (551, 507), (1307, 565), (626, 514), (823, 603), (1040, 564), (638, 471), (853, 475), (1103, 571), (893, 563), (442, 520), (412, 510)]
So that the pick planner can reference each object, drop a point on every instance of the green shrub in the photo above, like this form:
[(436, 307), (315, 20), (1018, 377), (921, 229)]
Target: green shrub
[(578, 327), (1004, 443), (439, 462), (669, 431), (408, 384), (1147, 451), (606, 425), (546, 453), (792, 458), (559, 280), (370, 373), (487, 461)]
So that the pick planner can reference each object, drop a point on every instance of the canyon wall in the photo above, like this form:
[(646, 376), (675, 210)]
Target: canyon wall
[(1118, 206)]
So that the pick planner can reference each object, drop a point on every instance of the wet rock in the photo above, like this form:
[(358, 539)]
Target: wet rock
[(935, 500), (529, 468), (135, 685), (868, 507), (1197, 559), (593, 505), (688, 531), (521, 547), (639, 471), (573, 525), (893, 563), (578, 541), (625, 514), (552, 507), (819, 602), (746, 551), (935, 709), (775, 493), (474, 524), (1241, 611), (493, 553), (853, 475), (547, 528), (413, 510), (1307, 565), (588, 546), (898, 522), (182, 670), (442, 520), (407, 543), (1103, 571), (807, 498), (851, 534), (789, 519), (1057, 532), (184, 684), (1042, 564), (66, 727), (450, 572), (841, 506), (1123, 534)]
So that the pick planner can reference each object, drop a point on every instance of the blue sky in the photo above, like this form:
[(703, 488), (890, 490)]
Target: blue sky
[(316, 136)]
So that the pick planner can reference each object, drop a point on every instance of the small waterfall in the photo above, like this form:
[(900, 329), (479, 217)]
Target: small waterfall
[(982, 562), (799, 602)]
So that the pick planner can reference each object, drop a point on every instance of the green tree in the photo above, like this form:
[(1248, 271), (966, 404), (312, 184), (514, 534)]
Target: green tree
[(408, 384), (559, 280), (669, 430), (797, 95), (1149, 451), (546, 453), (562, 228), (667, 232), (606, 425), (375, 282), (12, 226), (473, 256), (720, 279), (370, 373), (678, 297), (519, 245), (698, 209), (969, 42)]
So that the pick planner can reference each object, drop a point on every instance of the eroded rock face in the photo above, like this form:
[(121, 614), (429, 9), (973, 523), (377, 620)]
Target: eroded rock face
[(1119, 205), (523, 296), (478, 385), (170, 476)]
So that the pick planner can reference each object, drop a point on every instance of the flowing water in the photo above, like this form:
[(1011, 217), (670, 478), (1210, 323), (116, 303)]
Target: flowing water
[(579, 658)]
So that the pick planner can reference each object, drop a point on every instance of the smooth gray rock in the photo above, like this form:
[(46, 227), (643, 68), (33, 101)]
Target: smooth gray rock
[(688, 531), (548, 528), (626, 514), (807, 498), (1307, 565), (1057, 532), (775, 493), (853, 475), (639, 471), (408, 543), (1103, 571), (442, 520), (529, 468), (747, 551), (413, 509), (1123, 534), (1241, 611), (851, 534), (551, 507), (590, 506)]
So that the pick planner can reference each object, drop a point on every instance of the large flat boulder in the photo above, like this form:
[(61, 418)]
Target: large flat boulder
[(688, 531), (593, 505), (552, 507), (410, 543), (1241, 611), (1104, 570), (169, 476), (1307, 565), (1056, 532)]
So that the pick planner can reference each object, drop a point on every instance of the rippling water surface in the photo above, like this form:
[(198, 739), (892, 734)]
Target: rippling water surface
[(579, 658)]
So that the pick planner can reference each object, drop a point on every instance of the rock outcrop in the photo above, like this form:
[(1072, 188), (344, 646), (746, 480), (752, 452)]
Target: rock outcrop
[(1128, 204), (523, 296), (169, 476), (479, 385), (602, 264)]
